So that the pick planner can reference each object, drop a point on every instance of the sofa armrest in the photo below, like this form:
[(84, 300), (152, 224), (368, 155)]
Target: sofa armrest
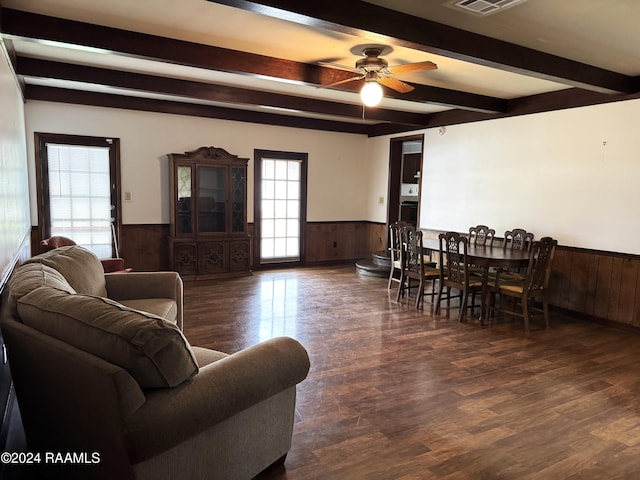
[(112, 265), (219, 391), (138, 285)]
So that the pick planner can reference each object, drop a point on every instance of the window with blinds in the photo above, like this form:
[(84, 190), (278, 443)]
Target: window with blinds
[(80, 196)]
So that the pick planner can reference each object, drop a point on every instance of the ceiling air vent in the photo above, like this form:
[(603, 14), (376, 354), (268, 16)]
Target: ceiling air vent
[(482, 7)]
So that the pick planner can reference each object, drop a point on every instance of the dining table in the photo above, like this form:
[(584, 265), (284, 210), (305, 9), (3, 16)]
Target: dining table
[(486, 257)]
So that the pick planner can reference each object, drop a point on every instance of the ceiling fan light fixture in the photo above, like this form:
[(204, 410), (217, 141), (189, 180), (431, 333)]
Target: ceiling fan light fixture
[(371, 93)]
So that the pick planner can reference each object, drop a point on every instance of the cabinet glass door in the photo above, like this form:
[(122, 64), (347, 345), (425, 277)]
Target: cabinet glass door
[(212, 199), (184, 202)]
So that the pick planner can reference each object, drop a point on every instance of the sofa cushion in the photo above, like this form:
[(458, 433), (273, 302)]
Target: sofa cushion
[(79, 266), (165, 308), (30, 276), (152, 350)]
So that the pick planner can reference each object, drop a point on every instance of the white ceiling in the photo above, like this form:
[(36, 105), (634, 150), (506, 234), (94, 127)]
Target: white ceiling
[(600, 33)]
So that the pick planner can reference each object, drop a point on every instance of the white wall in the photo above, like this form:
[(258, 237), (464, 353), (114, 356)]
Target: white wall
[(336, 190), (14, 208), (571, 174)]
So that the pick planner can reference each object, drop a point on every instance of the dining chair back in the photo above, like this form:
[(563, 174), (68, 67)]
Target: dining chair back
[(534, 284), (395, 247), (414, 264), (518, 239), (540, 262), (481, 235), (454, 270)]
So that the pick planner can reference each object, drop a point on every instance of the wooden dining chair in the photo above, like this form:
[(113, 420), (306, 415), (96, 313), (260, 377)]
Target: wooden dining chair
[(415, 265), (395, 246), (481, 235), (454, 271), (533, 286), (518, 239)]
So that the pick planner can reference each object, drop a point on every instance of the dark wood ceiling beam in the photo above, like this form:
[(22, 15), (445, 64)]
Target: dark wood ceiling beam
[(32, 67), (526, 105), (41, 27), (544, 102), (78, 97), (360, 18)]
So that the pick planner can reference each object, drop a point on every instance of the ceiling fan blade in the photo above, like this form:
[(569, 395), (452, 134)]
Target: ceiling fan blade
[(394, 84), (352, 79), (413, 67)]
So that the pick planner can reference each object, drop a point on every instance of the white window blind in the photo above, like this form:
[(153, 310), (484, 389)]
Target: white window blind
[(80, 196)]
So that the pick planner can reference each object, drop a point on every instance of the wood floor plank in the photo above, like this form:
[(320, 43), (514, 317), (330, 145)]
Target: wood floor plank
[(399, 393)]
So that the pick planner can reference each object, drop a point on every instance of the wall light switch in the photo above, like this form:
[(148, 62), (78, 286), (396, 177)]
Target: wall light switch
[(381, 200), (128, 196)]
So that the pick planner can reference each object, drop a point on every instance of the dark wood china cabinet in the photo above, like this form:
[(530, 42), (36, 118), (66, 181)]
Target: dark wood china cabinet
[(208, 231)]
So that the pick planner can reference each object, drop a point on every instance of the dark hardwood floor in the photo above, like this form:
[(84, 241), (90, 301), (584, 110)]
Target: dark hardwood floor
[(395, 393)]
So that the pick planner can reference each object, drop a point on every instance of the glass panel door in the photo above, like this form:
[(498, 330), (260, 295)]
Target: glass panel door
[(212, 200), (280, 212), (184, 219)]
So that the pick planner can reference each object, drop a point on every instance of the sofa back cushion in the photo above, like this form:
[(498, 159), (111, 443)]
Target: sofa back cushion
[(150, 349), (27, 278), (79, 266)]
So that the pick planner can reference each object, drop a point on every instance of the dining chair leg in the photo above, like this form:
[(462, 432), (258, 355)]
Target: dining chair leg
[(401, 287), (491, 306), (438, 298), (420, 294), (463, 306), (525, 313), (545, 309)]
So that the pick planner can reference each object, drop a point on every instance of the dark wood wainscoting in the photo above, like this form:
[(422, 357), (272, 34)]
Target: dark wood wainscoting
[(328, 242), (145, 247), (597, 284), (7, 397), (592, 283)]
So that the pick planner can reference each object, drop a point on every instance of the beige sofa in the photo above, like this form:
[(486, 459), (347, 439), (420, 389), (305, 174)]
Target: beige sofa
[(108, 386)]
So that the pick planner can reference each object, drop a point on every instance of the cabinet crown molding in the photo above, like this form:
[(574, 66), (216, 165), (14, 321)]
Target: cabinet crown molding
[(210, 153)]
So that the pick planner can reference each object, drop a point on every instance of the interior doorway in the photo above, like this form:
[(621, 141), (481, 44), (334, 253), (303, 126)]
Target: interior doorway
[(405, 167)]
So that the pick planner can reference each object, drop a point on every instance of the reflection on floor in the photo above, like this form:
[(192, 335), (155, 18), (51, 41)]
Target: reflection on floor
[(398, 393)]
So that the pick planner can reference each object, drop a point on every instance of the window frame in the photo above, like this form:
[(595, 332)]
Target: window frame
[(257, 160)]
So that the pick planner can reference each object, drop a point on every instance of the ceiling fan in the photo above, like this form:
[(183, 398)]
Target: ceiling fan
[(376, 71)]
